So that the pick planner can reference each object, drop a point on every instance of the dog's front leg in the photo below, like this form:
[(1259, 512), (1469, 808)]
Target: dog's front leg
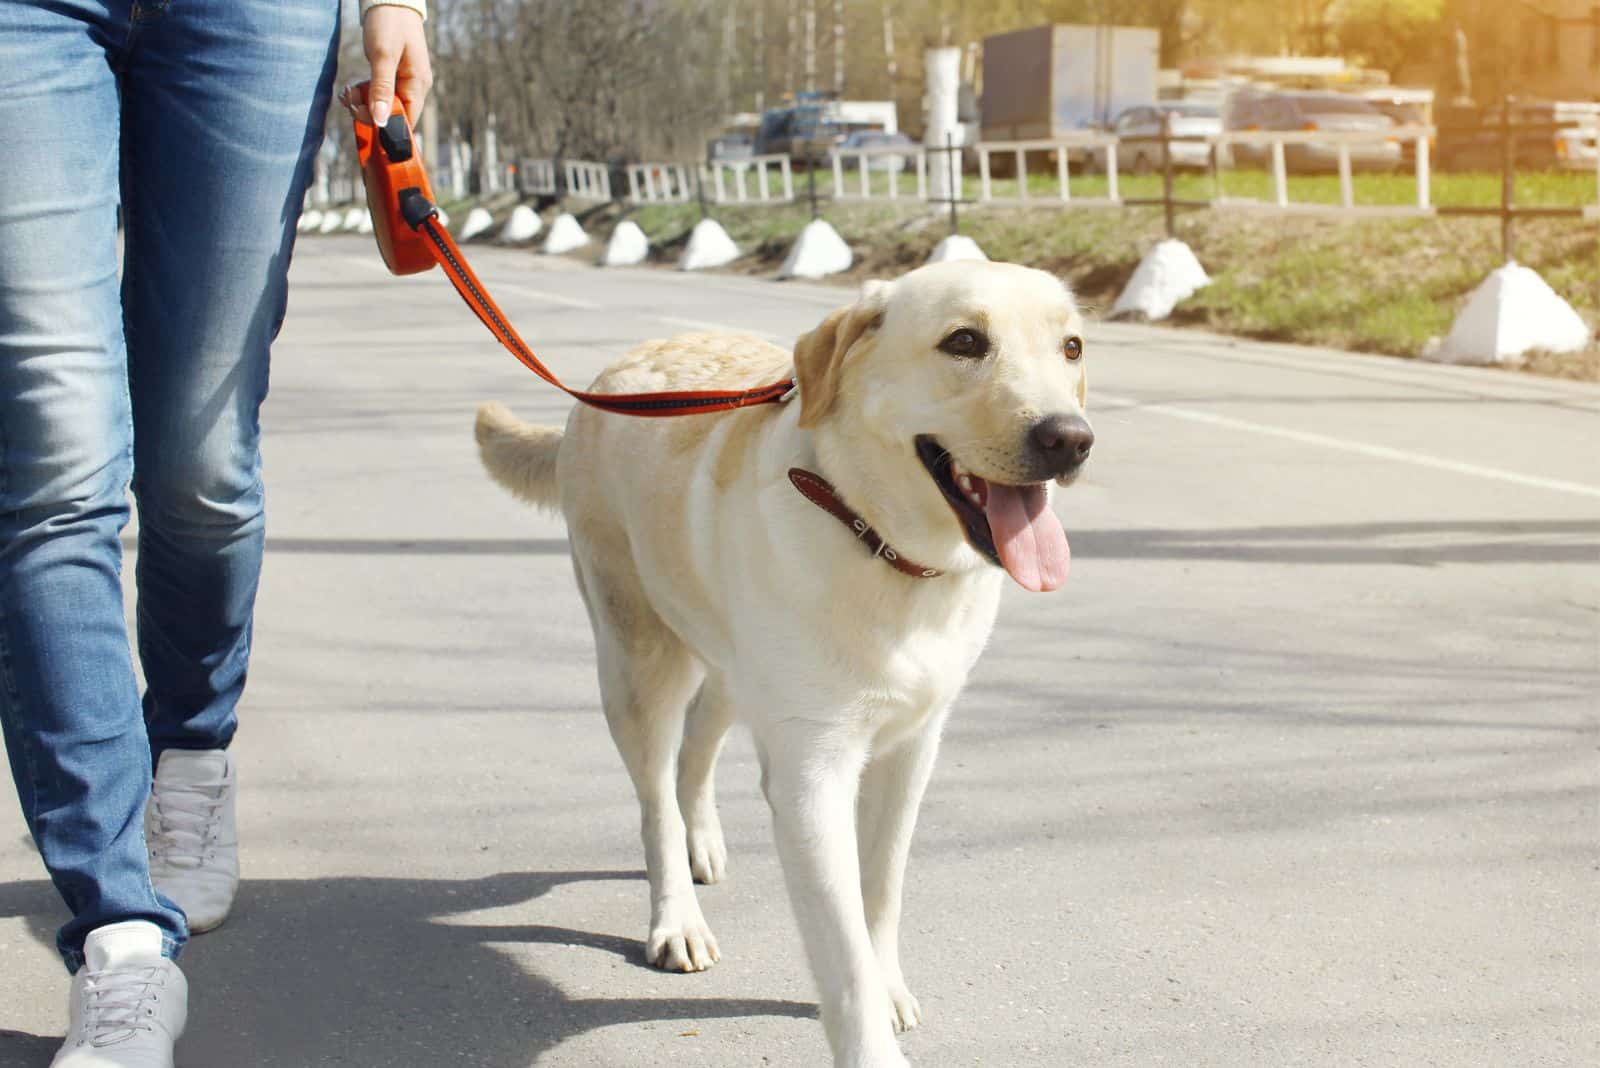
[(891, 792), (811, 776)]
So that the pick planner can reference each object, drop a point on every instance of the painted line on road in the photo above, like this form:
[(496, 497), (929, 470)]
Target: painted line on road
[(1377, 452), (376, 264), (721, 328), (553, 298), (1456, 379)]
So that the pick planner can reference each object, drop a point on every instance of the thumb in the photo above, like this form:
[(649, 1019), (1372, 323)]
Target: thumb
[(380, 93)]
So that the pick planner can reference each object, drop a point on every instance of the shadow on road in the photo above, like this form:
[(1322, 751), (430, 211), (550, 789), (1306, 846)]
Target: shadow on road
[(372, 972), (1415, 543)]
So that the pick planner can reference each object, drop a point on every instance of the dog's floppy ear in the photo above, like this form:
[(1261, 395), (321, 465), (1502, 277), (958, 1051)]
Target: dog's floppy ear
[(819, 355)]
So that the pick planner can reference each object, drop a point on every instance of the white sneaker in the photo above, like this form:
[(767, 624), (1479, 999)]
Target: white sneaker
[(189, 829), (129, 1003)]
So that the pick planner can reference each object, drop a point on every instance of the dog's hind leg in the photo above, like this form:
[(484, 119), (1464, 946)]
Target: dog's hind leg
[(647, 675), (711, 713), (891, 792)]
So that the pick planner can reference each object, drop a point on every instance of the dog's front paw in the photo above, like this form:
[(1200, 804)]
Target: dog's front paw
[(904, 1012), (708, 855), (681, 942), (889, 1058)]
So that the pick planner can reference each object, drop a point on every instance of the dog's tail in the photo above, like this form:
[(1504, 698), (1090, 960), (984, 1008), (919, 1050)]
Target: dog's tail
[(520, 456)]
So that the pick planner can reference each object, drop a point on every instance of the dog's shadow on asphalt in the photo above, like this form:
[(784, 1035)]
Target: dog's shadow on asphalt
[(373, 972)]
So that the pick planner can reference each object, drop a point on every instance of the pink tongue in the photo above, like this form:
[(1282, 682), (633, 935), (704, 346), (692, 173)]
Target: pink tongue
[(1032, 545)]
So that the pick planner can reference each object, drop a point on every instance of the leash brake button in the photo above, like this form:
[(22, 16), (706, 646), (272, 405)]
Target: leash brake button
[(395, 137)]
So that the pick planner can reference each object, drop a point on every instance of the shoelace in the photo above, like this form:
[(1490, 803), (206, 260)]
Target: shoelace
[(116, 1008), (185, 821)]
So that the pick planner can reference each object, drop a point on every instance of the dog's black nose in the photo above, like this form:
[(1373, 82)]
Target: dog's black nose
[(1065, 441)]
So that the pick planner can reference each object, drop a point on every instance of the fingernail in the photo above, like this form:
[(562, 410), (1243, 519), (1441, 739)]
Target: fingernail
[(380, 112)]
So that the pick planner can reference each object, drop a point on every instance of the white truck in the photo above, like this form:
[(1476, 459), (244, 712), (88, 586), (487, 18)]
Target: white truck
[(1050, 80)]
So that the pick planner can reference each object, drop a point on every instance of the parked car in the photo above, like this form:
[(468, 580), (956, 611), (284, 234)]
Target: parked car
[(731, 148), (1405, 113), (1144, 157), (1547, 136), (882, 148), (1312, 111)]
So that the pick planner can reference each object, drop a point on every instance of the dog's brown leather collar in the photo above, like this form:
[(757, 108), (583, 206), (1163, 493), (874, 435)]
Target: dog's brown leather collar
[(821, 493)]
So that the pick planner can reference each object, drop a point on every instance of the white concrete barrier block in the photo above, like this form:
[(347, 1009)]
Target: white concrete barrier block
[(309, 221), (331, 222), (479, 222), (957, 247), (1512, 313), (627, 246), (565, 235), (818, 252), (444, 218), (709, 246), (1168, 274), (352, 220), (524, 225), (365, 225)]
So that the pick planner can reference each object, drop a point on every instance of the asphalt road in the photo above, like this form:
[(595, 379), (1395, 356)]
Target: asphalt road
[(1301, 768)]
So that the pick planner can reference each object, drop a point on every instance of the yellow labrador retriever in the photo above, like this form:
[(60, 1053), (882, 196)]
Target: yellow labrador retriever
[(826, 571)]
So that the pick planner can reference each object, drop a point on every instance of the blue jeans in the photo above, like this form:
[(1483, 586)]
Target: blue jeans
[(201, 117)]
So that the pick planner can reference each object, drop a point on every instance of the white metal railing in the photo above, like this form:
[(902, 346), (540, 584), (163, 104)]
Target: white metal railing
[(723, 182), (729, 185), (1277, 143), (537, 177), (1062, 149), (887, 161), (590, 181), (660, 183), (770, 179)]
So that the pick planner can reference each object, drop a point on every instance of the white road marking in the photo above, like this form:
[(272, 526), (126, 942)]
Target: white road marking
[(546, 295), (1378, 452), (721, 328), (375, 263), (1439, 377)]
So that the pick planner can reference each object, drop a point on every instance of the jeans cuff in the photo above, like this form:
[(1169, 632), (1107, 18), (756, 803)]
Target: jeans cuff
[(171, 948)]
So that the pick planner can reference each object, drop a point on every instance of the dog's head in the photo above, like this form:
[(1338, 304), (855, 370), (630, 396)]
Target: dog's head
[(945, 403)]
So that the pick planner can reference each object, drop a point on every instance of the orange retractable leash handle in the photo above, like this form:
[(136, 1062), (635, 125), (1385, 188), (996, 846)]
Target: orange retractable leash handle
[(405, 222)]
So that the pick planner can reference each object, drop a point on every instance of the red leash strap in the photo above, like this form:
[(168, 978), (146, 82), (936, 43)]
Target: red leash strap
[(406, 225), (448, 254)]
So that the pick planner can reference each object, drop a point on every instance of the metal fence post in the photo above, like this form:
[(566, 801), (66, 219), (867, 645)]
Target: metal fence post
[(1508, 170), (1280, 177), (955, 189), (1424, 177), (1166, 174), (811, 182)]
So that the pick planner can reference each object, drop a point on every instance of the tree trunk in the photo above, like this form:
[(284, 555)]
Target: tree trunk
[(891, 66), (725, 66), (838, 47), (809, 44), (761, 56), (790, 46)]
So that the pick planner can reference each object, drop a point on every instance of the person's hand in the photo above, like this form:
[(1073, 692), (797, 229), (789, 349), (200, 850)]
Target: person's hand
[(398, 51)]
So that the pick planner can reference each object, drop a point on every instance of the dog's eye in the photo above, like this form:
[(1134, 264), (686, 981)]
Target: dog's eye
[(1074, 348), (965, 343)]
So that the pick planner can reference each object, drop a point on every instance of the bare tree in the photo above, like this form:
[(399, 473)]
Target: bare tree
[(838, 47), (810, 45), (891, 64)]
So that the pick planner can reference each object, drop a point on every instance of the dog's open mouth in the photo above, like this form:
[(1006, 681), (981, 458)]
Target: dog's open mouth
[(1011, 526)]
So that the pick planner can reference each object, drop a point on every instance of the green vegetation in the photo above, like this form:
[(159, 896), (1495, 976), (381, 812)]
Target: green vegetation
[(1533, 188), (1371, 284)]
